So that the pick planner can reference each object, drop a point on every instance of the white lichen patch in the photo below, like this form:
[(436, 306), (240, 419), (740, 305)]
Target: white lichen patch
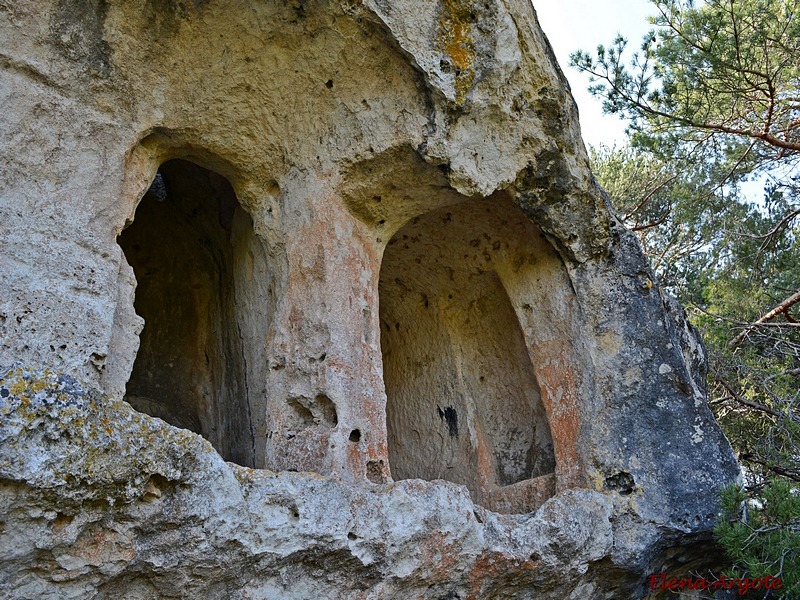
[(698, 435)]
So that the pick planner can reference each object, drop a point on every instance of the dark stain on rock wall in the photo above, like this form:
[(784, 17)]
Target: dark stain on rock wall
[(450, 416), (77, 31)]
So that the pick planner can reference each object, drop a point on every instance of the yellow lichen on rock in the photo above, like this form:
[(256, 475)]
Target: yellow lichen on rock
[(455, 38)]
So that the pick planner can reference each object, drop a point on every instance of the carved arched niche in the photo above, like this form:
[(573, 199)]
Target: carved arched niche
[(199, 270), (475, 313)]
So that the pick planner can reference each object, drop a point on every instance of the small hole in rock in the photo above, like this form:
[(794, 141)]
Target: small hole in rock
[(327, 410), (355, 436), (329, 83), (621, 482), (302, 415), (375, 471), (352, 536)]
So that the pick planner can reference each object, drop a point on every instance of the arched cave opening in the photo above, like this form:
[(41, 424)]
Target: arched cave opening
[(196, 260), (463, 402)]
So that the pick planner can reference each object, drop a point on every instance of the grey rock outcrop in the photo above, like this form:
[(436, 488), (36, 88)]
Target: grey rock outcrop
[(355, 250)]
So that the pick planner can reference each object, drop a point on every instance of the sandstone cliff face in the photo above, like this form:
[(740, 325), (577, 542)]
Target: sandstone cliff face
[(355, 250)]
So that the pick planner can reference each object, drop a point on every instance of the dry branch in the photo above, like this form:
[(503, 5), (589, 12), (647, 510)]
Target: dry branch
[(781, 308)]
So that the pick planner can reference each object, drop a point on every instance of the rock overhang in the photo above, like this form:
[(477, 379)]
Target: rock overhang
[(337, 125)]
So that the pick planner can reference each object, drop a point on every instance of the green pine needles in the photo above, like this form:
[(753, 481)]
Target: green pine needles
[(763, 537)]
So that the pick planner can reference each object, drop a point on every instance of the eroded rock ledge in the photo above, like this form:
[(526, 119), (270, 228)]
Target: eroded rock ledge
[(99, 499), (355, 249)]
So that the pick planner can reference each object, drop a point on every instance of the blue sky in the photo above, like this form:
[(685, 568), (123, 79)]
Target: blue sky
[(583, 24)]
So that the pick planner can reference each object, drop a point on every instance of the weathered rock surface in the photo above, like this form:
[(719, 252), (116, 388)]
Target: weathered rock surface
[(355, 249)]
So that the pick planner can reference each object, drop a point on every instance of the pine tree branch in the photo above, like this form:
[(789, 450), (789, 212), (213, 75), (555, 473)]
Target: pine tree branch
[(745, 401), (792, 474), (783, 306)]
